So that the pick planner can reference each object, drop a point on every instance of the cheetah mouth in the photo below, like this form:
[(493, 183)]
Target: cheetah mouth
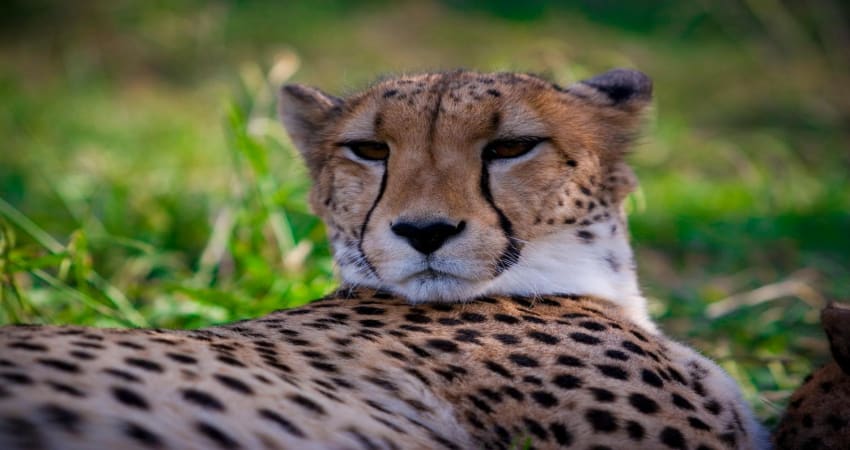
[(431, 274)]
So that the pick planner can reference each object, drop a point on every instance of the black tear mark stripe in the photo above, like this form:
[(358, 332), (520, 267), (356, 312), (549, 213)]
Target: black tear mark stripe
[(510, 255), (366, 222)]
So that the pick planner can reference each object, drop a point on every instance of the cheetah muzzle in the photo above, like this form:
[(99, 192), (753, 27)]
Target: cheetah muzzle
[(488, 298)]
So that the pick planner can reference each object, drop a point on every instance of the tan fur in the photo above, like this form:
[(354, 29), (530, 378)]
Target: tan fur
[(384, 374)]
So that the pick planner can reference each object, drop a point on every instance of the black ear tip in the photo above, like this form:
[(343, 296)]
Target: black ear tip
[(622, 85), (296, 91)]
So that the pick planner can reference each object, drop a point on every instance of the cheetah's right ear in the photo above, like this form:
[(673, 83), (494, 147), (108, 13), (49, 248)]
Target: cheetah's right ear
[(305, 112), (622, 88)]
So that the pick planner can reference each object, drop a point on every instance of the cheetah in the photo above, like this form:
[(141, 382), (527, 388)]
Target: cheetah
[(817, 416), (488, 298)]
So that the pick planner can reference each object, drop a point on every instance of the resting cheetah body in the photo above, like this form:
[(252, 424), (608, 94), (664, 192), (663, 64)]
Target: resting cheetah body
[(489, 299), (371, 372)]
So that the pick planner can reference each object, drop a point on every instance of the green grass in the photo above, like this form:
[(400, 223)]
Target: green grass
[(144, 180)]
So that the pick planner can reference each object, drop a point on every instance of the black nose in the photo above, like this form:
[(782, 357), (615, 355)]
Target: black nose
[(427, 237)]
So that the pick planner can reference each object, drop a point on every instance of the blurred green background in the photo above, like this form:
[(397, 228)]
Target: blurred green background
[(144, 180)]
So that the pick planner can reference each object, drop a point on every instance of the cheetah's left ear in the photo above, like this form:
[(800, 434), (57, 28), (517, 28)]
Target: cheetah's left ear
[(622, 88)]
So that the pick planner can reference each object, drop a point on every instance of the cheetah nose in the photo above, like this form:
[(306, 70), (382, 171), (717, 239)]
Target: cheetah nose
[(428, 237)]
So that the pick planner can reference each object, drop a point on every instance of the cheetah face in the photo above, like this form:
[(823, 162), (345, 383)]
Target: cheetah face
[(433, 186)]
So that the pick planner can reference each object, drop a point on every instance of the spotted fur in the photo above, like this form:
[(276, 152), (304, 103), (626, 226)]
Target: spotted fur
[(817, 417), (485, 303), (364, 369)]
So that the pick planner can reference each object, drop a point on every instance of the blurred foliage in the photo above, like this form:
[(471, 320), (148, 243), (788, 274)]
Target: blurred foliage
[(144, 180)]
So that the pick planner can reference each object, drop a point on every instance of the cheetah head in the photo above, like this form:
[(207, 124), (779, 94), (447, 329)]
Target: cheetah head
[(446, 186)]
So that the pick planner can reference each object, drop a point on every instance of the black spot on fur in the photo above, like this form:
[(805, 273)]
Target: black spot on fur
[(502, 433), (507, 339), (616, 354), (562, 436), (372, 323), (216, 435), (544, 399), (442, 345), (282, 422), (307, 404), (639, 335), (369, 310), (523, 360), (531, 379), (145, 364), (81, 355), (480, 404), (467, 335), (543, 337), (504, 318), (59, 364), (651, 378), (602, 395), (634, 348), (601, 420), (324, 366), (418, 350), (473, 317), (129, 398), (682, 403), (635, 430), (17, 378), (202, 399), (585, 235), (569, 361), (142, 435), (65, 389), (643, 403), (130, 344), (672, 438), (585, 338), (498, 368), (30, 346), (536, 429), (513, 393), (532, 319), (21, 432), (122, 374), (61, 417), (417, 318), (713, 407), (591, 325), (697, 424), (382, 383), (567, 381), (613, 371), (181, 358)]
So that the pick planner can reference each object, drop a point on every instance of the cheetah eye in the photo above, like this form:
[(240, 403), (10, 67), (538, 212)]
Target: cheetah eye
[(510, 148), (368, 150)]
